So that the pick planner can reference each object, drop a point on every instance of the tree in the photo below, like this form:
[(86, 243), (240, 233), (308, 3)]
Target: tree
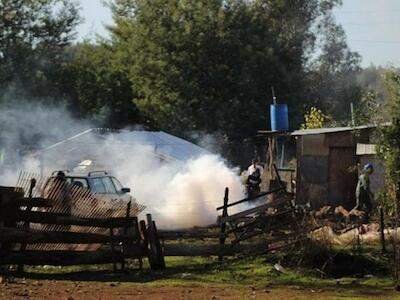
[(33, 35), (332, 77), (208, 65), (98, 86), (314, 118), (389, 151), (389, 145)]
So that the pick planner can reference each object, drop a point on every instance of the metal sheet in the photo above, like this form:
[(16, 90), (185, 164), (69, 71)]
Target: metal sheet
[(314, 145), (314, 169), (342, 176), (314, 194)]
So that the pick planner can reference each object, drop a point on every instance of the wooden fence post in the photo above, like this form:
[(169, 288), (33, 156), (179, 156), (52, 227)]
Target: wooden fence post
[(382, 229), (113, 247), (128, 211), (159, 250), (143, 234), (156, 258), (223, 224), (279, 177), (26, 224), (1, 222)]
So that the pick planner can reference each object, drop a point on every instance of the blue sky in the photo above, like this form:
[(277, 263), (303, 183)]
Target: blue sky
[(372, 27)]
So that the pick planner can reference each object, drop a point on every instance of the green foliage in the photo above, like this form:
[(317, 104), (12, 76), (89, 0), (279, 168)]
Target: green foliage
[(205, 272), (33, 35), (332, 79), (368, 109), (182, 66), (314, 118), (208, 65), (98, 86), (389, 145)]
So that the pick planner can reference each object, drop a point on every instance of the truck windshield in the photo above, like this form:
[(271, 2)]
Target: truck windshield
[(117, 184), (96, 185)]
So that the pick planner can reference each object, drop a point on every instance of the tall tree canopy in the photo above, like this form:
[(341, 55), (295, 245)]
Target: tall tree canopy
[(332, 77), (98, 86), (208, 65), (389, 143), (182, 66), (33, 35)]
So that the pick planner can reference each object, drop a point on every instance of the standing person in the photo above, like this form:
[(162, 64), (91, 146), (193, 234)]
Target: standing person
[(253, 184), (253, 167), (363, 192)]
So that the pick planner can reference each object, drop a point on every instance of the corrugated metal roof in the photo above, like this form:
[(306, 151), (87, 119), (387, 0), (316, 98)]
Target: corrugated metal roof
[(164, 144), (329, 130)]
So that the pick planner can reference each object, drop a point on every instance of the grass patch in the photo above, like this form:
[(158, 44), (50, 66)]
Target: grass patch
[(204, 271)]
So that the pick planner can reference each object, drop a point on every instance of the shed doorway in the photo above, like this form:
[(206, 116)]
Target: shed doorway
[(343, 176)]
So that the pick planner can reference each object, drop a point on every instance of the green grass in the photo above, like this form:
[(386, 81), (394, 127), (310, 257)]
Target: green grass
[(256, 272), (239, 275), (348, 277)]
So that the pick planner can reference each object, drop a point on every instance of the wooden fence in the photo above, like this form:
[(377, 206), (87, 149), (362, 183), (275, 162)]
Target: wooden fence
[(261, 227), (33, 232), (25, 228)]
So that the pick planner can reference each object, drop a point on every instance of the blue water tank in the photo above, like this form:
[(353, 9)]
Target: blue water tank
[(279, 117)]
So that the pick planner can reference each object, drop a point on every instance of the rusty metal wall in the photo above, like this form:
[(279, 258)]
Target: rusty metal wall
[(342, 176), (314, 169)]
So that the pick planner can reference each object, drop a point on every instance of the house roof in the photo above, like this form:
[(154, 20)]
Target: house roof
[(329, 130), (163, 144)]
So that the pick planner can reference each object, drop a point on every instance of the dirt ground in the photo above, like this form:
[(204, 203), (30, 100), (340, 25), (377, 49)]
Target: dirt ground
[(72, 290)]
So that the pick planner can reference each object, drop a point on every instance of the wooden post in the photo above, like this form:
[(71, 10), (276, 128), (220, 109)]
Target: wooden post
[(26, 224), (143, 235), (128, 211), (155, 257), (113, 247), (150, 239), (1, 222), (382, 229), (223, 223), (278, 177), (138, 240), (159, 250)]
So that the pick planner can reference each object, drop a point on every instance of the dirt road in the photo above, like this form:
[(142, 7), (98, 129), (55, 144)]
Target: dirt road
[(72, 290)]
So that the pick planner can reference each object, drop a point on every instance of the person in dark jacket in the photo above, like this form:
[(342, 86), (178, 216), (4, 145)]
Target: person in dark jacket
[(253, 183)]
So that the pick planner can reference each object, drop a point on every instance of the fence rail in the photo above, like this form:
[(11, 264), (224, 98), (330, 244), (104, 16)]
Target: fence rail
[(70, 225)]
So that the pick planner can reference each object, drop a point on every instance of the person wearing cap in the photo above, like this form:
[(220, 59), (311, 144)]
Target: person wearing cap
[(363, 192)]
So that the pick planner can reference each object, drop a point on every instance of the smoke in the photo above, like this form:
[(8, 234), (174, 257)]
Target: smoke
[(179, 195), (26, 126), (178, 192)]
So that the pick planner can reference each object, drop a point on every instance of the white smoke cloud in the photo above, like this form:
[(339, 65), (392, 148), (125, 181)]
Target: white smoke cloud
[(178, 193)]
